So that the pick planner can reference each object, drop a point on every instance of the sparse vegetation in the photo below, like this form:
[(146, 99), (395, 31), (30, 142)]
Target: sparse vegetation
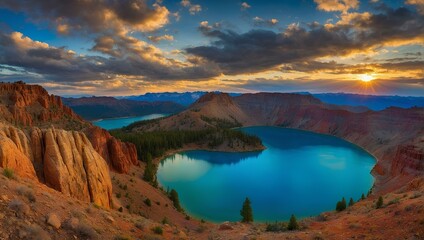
[(165, 221), (85, 231), (20, 208), (380, 202), (148, 202), (157, 230), (276, 227), (246, 212), (36, 232), (293, 225), (221, 123), (9, 173), (27, 192)]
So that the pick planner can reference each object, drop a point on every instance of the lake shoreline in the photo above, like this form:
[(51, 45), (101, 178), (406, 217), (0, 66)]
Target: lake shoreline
[(323, 155)]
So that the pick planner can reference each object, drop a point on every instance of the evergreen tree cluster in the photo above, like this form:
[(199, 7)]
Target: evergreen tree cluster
[(341, 205), (155, 144)]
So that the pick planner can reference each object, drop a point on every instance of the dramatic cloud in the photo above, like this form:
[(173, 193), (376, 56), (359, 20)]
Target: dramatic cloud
[(94, 16), (403, 86), (418, 3), (192, 8), (259, 50), (336, 5), (157, 39), (129, 58), (110, 23), (333, 67)]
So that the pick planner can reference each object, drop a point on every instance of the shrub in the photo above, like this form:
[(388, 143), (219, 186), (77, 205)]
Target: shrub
[(293, 225), (121, 209), (393, 201), (118, 195), (380, 202), (139, 225), (175, 199), (157, 230), (276, 227), (9, 173), (246, 212), (19, 207), (187, 217), (27, 192), (36, 232), (148, 202), (120, 237), (363, 197), (86, 231), (201, 229), (165, 221)]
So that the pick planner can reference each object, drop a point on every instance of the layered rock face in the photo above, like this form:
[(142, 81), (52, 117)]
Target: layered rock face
[(63, 160), (119, 155)]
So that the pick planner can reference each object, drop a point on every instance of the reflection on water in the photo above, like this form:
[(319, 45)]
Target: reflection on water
[(299, 173)]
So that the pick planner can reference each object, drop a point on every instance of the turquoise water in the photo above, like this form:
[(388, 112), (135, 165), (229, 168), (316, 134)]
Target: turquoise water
[(114, 123), (299, 173)]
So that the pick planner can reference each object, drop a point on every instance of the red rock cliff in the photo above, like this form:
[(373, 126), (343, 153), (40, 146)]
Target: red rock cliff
[(119, 155), (31, 105), (63, 160)]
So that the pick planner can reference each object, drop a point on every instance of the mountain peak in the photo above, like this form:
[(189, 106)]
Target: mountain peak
[(216, 97)]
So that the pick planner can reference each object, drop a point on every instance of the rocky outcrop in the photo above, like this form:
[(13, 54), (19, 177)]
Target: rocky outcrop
[(120, 156), (12, 158), (63, 160), (408, 160), (31, 105)]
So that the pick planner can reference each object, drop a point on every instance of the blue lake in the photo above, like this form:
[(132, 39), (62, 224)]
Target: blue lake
[(299, 173), (114, 123)]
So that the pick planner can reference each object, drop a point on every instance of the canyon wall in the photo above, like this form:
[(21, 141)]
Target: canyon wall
[(394, 136)]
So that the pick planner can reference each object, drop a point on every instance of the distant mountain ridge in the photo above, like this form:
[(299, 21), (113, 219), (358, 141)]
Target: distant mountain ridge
[(91, 108), (185, 98), (373, 102)]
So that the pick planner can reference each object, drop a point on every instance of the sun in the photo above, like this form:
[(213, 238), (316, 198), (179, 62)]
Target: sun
[(366, 77)]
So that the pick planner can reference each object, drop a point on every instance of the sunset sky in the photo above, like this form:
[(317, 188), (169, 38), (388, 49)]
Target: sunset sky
[(112, 47)]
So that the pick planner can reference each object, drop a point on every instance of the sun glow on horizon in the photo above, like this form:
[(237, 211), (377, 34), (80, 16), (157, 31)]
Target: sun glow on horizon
[(366, 77)]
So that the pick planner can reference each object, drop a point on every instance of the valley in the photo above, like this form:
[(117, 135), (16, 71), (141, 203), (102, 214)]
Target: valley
[(94, 184)]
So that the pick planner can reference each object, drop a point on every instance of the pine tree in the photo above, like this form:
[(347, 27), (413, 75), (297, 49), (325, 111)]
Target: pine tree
[(293, 225), (363, 197), (176, 200), (379, 202), (341, 205), (246, 212), (351, 202)]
